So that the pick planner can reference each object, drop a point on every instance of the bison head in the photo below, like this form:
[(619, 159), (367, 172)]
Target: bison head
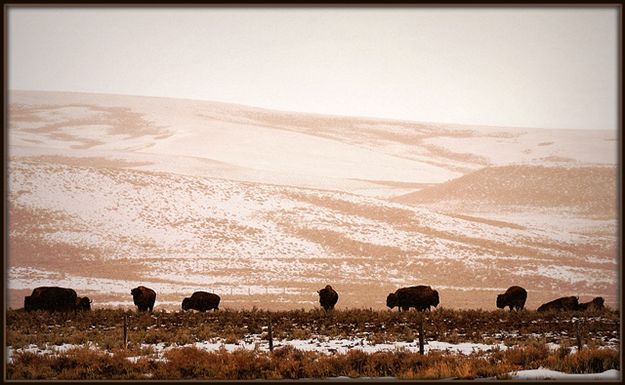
[(436, 300), (28, 303), (500, 301), (598, 302), (391, 300), (83, 303), (186, 303)]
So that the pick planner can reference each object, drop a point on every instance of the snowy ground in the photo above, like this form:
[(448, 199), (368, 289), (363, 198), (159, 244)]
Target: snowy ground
[(321, 344), (547, 374), (257, 342)]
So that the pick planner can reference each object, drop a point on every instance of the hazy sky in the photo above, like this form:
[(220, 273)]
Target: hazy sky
[(531, 67)]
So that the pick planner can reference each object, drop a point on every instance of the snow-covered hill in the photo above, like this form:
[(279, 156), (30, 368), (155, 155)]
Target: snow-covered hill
[(107, 192)]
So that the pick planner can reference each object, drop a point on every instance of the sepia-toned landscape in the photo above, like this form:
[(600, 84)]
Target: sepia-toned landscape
[(264, 208), (375, 193)]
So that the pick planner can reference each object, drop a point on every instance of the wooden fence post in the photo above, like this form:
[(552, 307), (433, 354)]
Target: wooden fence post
[(125, 331), (421, 336), (578, 337), (270, 336)]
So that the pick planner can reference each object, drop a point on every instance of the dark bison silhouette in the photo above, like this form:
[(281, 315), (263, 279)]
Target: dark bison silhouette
[(328, 297), (563, 303), (595, 304), (54, 298), (514, 297), (83, 303), (144, 298), (419, 297), (201, 301)]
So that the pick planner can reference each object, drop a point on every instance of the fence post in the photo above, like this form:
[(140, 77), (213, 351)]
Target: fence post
[(578, 337), (125, 331), (421, 336), (270, 336)]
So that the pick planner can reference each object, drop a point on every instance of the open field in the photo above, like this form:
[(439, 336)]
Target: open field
[(233, 344), (264, 208)]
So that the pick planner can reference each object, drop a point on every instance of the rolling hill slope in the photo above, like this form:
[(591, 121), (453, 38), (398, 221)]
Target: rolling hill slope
[(107, 192)]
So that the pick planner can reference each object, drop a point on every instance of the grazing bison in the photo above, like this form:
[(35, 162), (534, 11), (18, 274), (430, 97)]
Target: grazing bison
[(328, 297), (51, 298), (201, 301), (563, 303), (419, 297), (514, 297), (595, 304), (144, 298)]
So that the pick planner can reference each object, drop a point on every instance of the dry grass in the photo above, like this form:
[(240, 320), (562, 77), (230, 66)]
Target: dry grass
[(290, 363)]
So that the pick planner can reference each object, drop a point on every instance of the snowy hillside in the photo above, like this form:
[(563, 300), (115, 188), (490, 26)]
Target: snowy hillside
[(264, 208)]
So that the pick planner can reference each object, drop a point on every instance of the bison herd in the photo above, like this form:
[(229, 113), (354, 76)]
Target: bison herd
[(419, 297)]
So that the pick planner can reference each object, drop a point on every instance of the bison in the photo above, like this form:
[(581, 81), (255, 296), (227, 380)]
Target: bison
[(328, 297), (201, 301), (419, 297), (514, 297), (595, 304), (144, 298), (563, 303), (54, 298)]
